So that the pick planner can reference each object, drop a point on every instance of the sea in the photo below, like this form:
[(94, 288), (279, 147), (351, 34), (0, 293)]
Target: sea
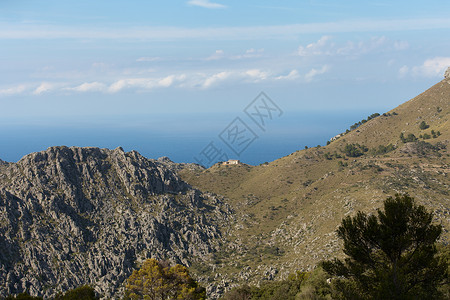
[(191, 138)]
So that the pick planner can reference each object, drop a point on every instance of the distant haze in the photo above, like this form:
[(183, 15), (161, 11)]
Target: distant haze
[(90, 72)]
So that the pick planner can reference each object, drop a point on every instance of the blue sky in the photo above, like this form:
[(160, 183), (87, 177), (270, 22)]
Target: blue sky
[(185, 68)]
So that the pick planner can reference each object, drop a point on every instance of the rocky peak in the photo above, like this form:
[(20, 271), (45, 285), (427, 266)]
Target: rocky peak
[(71, 216), (91, 171), (175, 167), (447, 73), (165, 159)]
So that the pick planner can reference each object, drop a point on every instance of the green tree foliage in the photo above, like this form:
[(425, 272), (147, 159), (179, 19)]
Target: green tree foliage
[(391, 255), (283, 289), (23, 296), (315, 287), (84, 292), (157, 280), (410, 138), (444, 255), (357, 124), (354, 150), (244, 292), (423, 125), (424, 149), (382, 149)]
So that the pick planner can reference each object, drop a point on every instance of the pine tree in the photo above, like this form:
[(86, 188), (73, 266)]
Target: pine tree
[(390, 255)]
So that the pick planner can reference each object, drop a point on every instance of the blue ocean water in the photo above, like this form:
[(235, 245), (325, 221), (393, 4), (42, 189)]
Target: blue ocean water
[(183, 138)]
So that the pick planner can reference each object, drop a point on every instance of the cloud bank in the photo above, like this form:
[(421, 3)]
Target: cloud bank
[(432, 67), (194, 80)]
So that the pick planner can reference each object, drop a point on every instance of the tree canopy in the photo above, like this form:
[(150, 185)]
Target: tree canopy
[(390, 255), (84, 292), (157, 280)]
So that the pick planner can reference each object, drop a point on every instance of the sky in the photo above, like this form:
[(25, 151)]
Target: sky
[(168, 77)]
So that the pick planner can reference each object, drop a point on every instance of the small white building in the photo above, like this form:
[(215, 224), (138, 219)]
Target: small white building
[(231, 162)]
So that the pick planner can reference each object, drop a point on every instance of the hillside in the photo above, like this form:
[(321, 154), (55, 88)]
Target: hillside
[(288, 210), (73, 216), (432, 106)]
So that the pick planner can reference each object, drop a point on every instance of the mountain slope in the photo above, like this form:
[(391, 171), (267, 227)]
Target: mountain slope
[(432, 106), (288, 210), (73, 216)]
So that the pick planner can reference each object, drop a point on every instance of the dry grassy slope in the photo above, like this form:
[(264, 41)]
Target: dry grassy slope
[(295, 203), (432, 106)]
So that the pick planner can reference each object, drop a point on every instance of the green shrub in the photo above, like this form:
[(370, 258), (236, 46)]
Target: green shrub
[(381, 149), (410, 138), (354, 150), (84, 292), (423, 125), (22, 296)]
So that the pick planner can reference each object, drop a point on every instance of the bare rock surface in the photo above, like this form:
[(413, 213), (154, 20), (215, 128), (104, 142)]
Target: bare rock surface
[(74, 216)]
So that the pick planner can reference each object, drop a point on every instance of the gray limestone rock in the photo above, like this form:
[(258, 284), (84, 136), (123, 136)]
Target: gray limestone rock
[(75, 216)]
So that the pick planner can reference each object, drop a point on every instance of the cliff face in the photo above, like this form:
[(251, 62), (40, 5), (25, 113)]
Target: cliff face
[(72, 216)]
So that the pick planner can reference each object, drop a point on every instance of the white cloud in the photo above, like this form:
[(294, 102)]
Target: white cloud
[(205, 4), (192, 80), (291, 76), (221, 76), (257, 75), (170, 80), (217, 55), (363, 47), (145, 83), (433, 67), (323, 47), (236, 77), (250, 53), (44, 88), (89, 87), (16, 90), (320, 47), (314, 72)]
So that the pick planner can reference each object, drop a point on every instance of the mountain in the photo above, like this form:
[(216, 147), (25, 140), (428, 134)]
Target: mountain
[(287, 211), (73, 216)]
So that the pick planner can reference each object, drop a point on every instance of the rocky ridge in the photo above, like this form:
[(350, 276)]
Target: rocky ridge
[(73, 216), (168, 163)]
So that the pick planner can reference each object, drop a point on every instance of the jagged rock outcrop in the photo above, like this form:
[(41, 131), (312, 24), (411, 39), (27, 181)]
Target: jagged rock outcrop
[(73, 216), (179, 166), (447, 73)]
